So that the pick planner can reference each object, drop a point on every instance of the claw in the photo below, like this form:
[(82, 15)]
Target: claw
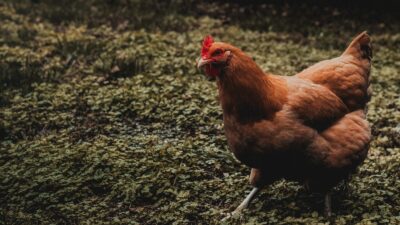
[(243, 205)]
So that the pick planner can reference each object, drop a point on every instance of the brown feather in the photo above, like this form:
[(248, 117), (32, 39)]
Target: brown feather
[(307, 127)]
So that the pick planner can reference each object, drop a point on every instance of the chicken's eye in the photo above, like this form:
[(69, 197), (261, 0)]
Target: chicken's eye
[(217, 52)]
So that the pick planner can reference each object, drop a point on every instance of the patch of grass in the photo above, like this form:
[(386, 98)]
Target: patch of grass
[(104, 118)]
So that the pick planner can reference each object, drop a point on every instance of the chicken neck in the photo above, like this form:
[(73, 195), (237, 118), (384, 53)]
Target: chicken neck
[(247, 93)]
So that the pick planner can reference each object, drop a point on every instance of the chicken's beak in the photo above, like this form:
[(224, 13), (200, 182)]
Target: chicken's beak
[(201, 62)]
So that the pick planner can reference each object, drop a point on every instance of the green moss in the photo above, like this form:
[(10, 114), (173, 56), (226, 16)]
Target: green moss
[(104, 119)]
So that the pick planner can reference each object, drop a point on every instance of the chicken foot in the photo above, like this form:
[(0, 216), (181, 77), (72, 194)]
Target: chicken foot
[(245, 203)]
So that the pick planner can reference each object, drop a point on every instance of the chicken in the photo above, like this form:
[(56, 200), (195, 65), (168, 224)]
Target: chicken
[(309, 128)]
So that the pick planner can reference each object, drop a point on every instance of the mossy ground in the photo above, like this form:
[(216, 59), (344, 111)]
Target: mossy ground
[(104, 118)]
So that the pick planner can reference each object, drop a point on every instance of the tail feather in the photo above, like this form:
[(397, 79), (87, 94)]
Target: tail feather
[(351, 83), (360, 47)]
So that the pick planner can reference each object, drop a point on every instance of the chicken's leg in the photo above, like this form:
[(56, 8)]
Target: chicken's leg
[(328, 208), (245, 203)]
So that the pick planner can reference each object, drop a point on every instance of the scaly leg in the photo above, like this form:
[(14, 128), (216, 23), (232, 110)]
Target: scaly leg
[(328, 208), (244, 204)]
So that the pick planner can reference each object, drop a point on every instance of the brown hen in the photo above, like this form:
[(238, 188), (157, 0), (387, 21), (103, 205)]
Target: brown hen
[(309, 128)]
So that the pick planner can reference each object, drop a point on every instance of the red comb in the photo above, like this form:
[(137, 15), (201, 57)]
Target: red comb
[(207, 42)]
